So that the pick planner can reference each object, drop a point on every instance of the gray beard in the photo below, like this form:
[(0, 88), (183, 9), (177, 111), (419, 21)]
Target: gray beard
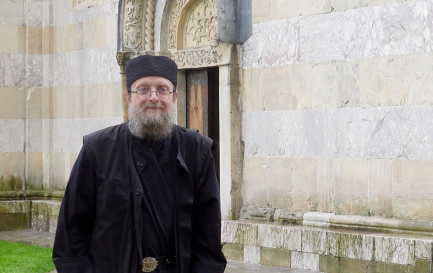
[(150, 128)]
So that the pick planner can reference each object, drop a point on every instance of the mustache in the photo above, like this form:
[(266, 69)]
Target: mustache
[(157, 105)]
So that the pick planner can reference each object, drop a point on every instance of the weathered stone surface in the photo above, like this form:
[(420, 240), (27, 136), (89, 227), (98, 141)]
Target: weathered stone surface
[(315, 241), (356, 246), (252, 254), (282, 237), (396, 29), (257, 214), (411, 185), (14, 207), (283, 41), (394, 250), (87, 63), (303, 184), (234, 252), (279, 187), (337, 251), (423, 249), (45, 215), (287, 216), (402, 80), (303, 260), (388, 132), (255, 184), (345, 265), (14, 215), (318, 219), (236, 232), (373, 82), (275, 257)]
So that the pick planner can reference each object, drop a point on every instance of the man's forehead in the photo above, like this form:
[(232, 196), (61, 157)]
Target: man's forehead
[(153, 80)]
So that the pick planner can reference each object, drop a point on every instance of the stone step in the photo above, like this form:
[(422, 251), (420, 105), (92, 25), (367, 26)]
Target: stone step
[(326, 249)]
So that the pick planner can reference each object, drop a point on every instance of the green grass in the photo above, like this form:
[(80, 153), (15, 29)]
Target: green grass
[(22, 258)]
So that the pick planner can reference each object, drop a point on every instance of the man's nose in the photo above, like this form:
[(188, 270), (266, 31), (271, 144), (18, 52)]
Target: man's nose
[(153, 96)]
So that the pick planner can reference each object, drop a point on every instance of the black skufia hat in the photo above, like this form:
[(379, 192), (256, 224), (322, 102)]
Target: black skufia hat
[(148, 65)]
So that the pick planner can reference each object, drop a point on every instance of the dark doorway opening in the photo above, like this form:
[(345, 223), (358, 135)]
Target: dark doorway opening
[(202, 106)]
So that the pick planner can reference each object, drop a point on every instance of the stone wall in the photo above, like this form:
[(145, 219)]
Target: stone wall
[(59, 80), (326, 250), (337, 99)]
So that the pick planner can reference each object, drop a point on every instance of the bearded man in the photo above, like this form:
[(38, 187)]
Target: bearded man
[(143, 195)]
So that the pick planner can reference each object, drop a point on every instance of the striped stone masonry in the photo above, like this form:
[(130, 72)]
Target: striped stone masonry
[(326, 249)]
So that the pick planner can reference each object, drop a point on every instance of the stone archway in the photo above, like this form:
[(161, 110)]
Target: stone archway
[(187, 32)]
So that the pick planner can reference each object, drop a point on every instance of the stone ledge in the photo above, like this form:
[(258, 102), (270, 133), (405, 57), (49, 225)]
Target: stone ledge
[(308, 246), (39, 215), (31, 194), (322, 219)]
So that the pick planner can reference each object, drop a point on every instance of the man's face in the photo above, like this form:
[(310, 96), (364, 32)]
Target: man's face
[(153, 104), (151, 113)]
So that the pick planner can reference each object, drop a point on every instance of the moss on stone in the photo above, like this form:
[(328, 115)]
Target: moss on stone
[(10, 183)]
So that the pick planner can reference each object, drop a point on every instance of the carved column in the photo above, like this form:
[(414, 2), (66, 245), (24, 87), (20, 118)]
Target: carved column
[(136, 28)]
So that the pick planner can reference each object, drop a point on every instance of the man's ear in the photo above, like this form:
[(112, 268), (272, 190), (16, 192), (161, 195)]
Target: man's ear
[(128, 96)]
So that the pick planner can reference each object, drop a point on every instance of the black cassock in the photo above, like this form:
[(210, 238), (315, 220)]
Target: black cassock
[(114, 214), (155, 166)]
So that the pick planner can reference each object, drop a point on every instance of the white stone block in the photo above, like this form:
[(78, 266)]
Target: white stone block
[(273, 43), (84, 67), (252, 254), (395, 250), (15, 72), (307, 261), (385, 132), (317, 219), (12, 132), (34, 71), (68, 133), (236, 232), (277, 236), (34, 136), (315, 241), (12, 13), (355, 246), (423, 249)]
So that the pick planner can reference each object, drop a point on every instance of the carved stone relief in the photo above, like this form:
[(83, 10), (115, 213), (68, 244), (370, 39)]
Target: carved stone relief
[(201, 25), (193, 35), (137, 36), (133, 14)]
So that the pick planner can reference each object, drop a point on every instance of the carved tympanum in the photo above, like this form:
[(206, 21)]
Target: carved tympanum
[(201, 25)]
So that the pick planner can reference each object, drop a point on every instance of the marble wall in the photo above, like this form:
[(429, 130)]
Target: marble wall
[(59, 80), (337, 99)]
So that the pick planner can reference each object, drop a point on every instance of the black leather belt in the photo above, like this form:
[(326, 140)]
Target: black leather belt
[(150, 264)]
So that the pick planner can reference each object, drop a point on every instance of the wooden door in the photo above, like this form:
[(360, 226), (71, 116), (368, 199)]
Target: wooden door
[(202, 105), (197, 100)]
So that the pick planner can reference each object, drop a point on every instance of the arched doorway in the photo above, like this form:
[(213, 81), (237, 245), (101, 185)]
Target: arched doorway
[(208, 77)]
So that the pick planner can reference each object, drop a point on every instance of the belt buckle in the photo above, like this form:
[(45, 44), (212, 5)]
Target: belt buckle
[(149, 264)]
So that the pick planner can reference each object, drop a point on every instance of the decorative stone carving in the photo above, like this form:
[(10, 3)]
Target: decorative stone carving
[(202, 57), (193, 35), (133, 14), (174, 22), (150, 25), (201, 25)]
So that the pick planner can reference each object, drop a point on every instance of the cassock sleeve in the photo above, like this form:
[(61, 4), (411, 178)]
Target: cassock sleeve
[(206, 249), (76, 219)]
